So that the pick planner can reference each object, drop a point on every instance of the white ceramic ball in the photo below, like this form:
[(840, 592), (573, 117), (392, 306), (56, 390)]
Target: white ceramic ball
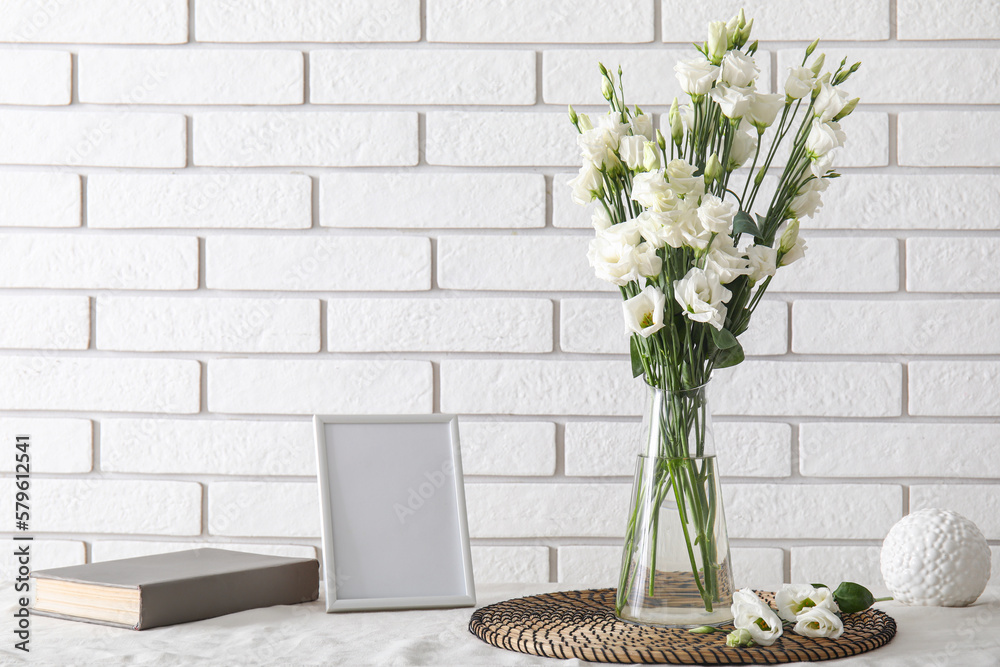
[(935, 557)]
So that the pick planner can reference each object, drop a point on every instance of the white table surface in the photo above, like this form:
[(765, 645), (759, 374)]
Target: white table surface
[(306, 635)]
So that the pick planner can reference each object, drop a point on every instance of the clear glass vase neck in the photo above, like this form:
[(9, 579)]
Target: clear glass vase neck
[(678, 424)]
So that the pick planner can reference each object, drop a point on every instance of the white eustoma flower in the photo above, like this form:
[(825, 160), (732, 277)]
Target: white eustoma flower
[(600, 219), (751, 614), (593, 145), (763, 262), (764, 108), (738, 69), (823, 138), (624, 232), (612, 261), (717, 215), (818, 184), (702, 298), (808, 200), (652, 227), (677, 228), (681, 177), (735, 102), (647, 262), (650, 189), (829, 102), (642, 125), (820, 165), (631, 151), (819, 622), (726, 261), (797, 252), (598, 144), (794, 599), (789, 243), (588, 184), (644, 312), (799, 82), (696, 76), (744, 145), (805, 204), (685, 228)]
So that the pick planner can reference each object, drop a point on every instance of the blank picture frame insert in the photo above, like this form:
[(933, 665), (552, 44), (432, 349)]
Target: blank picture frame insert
[(392, 503)]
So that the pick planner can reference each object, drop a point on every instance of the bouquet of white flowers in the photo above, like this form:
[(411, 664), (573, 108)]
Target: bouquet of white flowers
[(678, 235)]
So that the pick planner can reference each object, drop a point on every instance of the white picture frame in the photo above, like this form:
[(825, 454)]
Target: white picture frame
[(392, 503)]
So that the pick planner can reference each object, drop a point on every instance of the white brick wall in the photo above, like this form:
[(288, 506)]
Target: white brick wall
[(238, 201), (782, 19), (415, 199), (35, 77), (218, 217), (92, 138), (308, 21), (96, 21), (530, 21), (165, 76), (62, 445), (91, 261), (37, 199), (311, 138), (416, 76), (162, 324)]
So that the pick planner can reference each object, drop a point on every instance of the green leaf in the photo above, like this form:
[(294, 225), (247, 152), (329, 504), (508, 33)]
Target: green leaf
[(819, 585), (723, 338), (730, 356), (633, 349), (744, 224), (851, 597), (704, 630)]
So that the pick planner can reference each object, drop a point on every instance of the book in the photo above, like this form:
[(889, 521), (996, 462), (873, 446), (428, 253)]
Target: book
[(165, 589)]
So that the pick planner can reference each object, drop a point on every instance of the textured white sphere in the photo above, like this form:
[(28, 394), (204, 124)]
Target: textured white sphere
[(935, 557)]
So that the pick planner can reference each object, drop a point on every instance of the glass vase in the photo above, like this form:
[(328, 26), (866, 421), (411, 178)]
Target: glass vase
[(676, 569)]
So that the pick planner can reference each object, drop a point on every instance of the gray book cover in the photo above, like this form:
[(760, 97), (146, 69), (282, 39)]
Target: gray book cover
[(193, 585)]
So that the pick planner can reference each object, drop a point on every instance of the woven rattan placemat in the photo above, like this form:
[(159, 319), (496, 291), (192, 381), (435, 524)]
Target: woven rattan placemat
[(582, 624)]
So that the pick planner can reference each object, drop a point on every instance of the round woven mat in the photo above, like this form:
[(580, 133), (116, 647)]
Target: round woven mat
[(582, 624)]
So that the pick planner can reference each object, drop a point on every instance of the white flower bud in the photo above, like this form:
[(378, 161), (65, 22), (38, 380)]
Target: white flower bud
[(718, 41), (818, 64), (713, 169), (650, 156)]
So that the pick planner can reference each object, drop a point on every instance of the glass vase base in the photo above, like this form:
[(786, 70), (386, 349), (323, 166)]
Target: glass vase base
[(675, 618), (676, 602)]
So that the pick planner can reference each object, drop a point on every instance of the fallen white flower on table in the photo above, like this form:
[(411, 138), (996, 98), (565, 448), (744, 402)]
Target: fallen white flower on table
[(794, 599), (750, 613), (819, 622)]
